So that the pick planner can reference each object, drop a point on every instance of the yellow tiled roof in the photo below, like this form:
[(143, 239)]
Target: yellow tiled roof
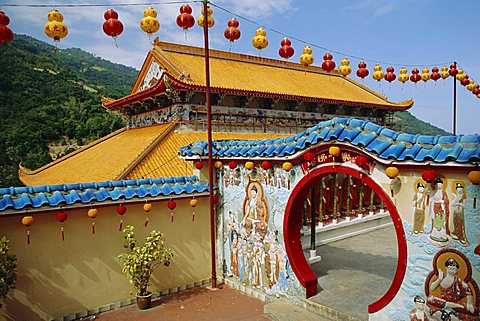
[(163, 160), (102, 160), (238, 72)]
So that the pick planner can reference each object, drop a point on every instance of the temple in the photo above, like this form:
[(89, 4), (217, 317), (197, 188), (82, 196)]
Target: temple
[(252, 98)]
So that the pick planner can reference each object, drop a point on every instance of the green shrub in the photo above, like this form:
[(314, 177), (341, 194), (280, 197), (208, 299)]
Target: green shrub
[(8, 269)]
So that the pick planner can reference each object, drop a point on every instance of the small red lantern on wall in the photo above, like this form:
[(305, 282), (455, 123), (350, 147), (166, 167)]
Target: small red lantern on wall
[(199, 165), (308, 156), (171, 205), (266, 165), (215, 199), (112, 26), (361, 161), (121, 209), (429, 175), (61, 217), (232, 164)]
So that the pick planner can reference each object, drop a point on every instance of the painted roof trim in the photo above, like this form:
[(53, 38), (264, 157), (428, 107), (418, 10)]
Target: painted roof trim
[(19, 198), (181, 80), (379, 140)]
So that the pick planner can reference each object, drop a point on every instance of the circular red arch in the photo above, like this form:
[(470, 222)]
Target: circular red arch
[(293, 244)]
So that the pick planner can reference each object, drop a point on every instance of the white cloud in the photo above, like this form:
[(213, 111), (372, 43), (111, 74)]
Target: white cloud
[(384, 9), (257, 9)]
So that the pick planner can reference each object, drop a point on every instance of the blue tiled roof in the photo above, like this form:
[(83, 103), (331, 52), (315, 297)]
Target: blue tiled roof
[(67, 194), (382, 141)]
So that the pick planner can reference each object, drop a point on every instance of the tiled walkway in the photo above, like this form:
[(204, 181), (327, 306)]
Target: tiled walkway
[(199, 304)]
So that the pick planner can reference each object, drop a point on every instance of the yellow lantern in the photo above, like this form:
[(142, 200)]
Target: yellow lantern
[(147, 207), (149, 22), (471, 85), (193, 203), (210, 20), (474, 177), (345, 68), (444, 73), (306, 58), (460, 75), (260, 40), (92, 213), (334, 151), (55, 28), (403, 77), (27, 220), (218, 164), (287, 166), (249, 165), (425, 74), (392, 172), (377, 72)]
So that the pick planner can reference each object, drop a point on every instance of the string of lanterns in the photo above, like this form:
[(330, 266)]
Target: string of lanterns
[(56, 29)]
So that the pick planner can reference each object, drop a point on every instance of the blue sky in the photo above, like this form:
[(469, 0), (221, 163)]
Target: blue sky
[(401, 32)]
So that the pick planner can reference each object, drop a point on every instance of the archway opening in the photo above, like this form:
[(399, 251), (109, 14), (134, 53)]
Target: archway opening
[(294, 220)]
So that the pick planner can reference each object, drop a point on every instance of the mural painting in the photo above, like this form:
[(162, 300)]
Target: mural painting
[(451, 291), (253, 249)]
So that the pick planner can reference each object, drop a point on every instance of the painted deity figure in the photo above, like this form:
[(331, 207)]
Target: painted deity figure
[(440, 214), (455, 299), (420, 312), (234, 256), (419, 201), (458, 209), (255, 210), (282, 270), (227, 239)]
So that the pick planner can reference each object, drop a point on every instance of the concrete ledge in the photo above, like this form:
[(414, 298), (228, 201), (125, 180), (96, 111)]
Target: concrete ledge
[(245, 290), (346, 229), (327, 312), (130, 301)]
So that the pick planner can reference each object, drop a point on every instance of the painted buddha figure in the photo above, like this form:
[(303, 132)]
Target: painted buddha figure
[(440, 214), (255, 210), (419, 202), (458, 209), (451, 298)]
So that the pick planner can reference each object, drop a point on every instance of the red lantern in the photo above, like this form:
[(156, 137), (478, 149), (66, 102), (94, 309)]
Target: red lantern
[(465, 81), (112, 26), (215, 199), (429, 175), (266, 165), (308, 156), (362, 71), (476, 90), (171, 205), (121, 209), (232, 164), (435, 74), (453, 71), (415, 77), (61, 217), (328, 64), (361, 161), (199, 165), (286, 51), (6, 34), (232, 32), (185, 20), (390, 76)]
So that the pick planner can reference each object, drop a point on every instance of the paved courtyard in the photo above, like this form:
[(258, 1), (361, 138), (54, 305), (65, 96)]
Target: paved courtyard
[(356, 272)]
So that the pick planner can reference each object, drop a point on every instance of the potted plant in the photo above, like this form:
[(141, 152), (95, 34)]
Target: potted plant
[(139, 264), (8, 269)]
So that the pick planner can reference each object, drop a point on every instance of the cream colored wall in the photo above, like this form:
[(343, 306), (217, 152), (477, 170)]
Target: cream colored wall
[(58, 277)]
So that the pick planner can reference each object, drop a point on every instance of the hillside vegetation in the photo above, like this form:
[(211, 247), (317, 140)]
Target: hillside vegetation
[(50, 104), (48, 100)]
